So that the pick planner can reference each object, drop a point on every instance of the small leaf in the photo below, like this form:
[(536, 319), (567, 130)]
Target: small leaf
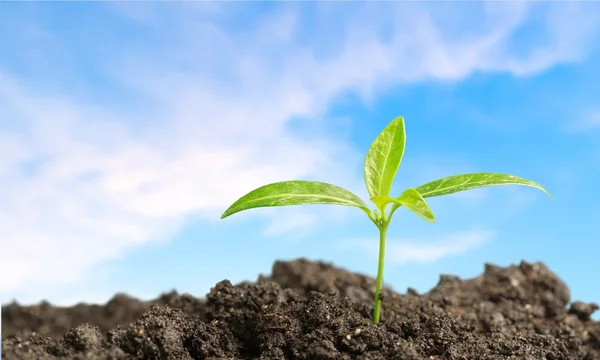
[(381, 201), (456, 183), (384, 157), (297, 192), (413, 201)]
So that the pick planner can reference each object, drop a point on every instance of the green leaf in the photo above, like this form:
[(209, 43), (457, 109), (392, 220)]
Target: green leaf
[(297, 192), (384, 157), (456, 183), (413, 201), (381, 201)]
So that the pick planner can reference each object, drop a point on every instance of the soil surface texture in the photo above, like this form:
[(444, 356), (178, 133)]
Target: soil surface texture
[(313, 310)]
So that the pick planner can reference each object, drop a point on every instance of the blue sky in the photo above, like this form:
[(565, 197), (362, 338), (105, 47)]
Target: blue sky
[(127, 129)]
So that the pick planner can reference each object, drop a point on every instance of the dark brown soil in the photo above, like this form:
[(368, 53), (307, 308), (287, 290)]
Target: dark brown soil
[(312, 310)]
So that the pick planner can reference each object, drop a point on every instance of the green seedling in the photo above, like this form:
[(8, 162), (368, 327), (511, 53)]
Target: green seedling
[(381, 164)]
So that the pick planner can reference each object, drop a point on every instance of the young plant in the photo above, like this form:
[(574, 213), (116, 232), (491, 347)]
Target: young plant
[(381, 165)]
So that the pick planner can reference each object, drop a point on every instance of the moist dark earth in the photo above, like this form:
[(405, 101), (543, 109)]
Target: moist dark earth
[(313, 310)]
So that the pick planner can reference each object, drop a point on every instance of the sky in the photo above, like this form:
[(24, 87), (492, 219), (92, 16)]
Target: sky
[(128, 128)]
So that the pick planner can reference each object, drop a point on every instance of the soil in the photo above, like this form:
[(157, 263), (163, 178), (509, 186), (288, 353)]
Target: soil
[(313, 310)]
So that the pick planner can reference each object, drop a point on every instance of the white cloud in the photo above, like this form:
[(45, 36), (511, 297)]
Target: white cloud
[(422, 250), (84, 177)]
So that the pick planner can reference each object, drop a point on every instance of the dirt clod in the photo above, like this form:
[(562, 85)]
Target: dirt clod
[(313, 310)]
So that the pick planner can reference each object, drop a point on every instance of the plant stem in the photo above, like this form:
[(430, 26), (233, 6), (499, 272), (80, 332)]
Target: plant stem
[(379, 285)]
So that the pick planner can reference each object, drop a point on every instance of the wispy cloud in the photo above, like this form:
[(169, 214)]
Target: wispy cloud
[(423, 250), (301, 221), (185, 122)]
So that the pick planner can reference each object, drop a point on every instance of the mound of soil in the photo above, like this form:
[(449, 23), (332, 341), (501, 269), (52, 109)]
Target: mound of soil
[(313, 310)]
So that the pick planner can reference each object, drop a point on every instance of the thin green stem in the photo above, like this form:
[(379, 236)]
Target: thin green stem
[(379, 284), (392, 213)]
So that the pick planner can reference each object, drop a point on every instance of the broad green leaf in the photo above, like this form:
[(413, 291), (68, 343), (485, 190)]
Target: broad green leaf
[(456, 183), (384, 157), (296, 192), (413, 201)]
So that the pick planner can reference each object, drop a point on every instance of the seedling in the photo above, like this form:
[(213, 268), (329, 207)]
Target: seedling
[(381, 164)]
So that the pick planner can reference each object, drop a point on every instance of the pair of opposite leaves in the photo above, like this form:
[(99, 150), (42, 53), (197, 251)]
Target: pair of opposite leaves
[(381, 164)]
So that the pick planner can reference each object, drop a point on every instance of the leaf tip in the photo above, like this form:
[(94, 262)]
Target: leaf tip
[(429, 217), (226, 213), (545, 191)]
